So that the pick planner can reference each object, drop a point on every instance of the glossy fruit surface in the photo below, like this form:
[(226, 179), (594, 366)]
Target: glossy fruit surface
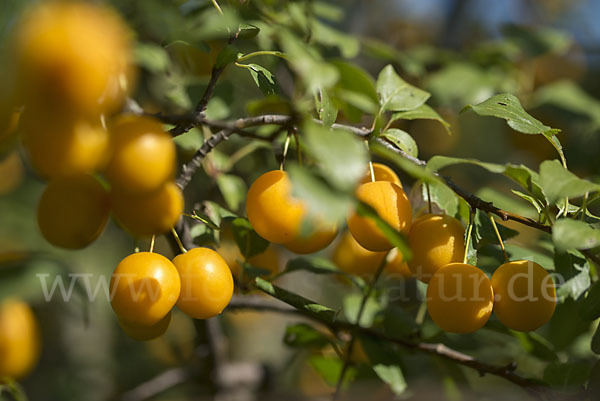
[(272, 211), (143, 155), (391, 204), (435, 240), (144, 287), (460, 298), (59, 146), (73, 211), (206, 283), (73, 56), (19, 339), (148, 214), (382, 173), (525, 297), (352, 258), (145, 333), (321, 236)]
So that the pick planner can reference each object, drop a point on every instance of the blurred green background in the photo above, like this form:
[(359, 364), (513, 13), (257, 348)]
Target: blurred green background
[(545, 52)]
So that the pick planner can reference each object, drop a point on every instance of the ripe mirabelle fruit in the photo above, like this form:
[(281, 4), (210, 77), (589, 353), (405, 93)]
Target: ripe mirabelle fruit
[(19, 339), (352, 258), (148, 214), (435, 240), (397, 266), (206, 283), (143, 155), (144, 288), (525, 296), (64, 145), (73, 211), (392, 205), (272, 211), (382, 173), (145, 333), (73, 55), (319, 238), (460, 298)]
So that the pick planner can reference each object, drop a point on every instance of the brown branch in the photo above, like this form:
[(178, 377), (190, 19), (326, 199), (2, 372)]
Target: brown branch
[(507, 372)]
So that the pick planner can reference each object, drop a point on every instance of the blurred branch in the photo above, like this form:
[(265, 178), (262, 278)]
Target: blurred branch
[(158, 384), (332, 321)]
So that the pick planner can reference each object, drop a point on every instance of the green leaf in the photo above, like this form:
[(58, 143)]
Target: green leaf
[(233, 189), (508, 107), (325, 108), (351, 308), (396, 94), (441, 195), (461, 83), (437, 163), (402, 140), (574, 234), (348, 45), (483, 232), (416, 171), (589, 307), (317, 311), (558, 182), (313, 264), (341, 156), (247, 31), (307, 63), (575, 271), (152, 57), (396, 238), (422, 112), (391, 375), (330, 369), (321, 199), (263, 78), (355, 92), (304, 335), (249, 242)]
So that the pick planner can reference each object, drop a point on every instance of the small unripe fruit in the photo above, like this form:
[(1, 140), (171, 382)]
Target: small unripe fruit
[(143, 155), (525, 297), (149, 214), (206, 283), (144, 288), (391, 204), (435, 240), (460, 298), (73, 211), (19, 339), (146, 333), (271, 210)]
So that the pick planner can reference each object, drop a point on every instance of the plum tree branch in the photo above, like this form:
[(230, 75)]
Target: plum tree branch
[(330, 319)]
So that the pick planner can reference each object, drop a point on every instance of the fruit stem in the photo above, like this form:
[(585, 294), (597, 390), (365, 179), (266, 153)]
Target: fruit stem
[(361, 309), (179, 243), (217, 6), (152, 244), (468, 240), (499, 237), (584, 205), (428, 197), (286, 146), (371, 170)]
